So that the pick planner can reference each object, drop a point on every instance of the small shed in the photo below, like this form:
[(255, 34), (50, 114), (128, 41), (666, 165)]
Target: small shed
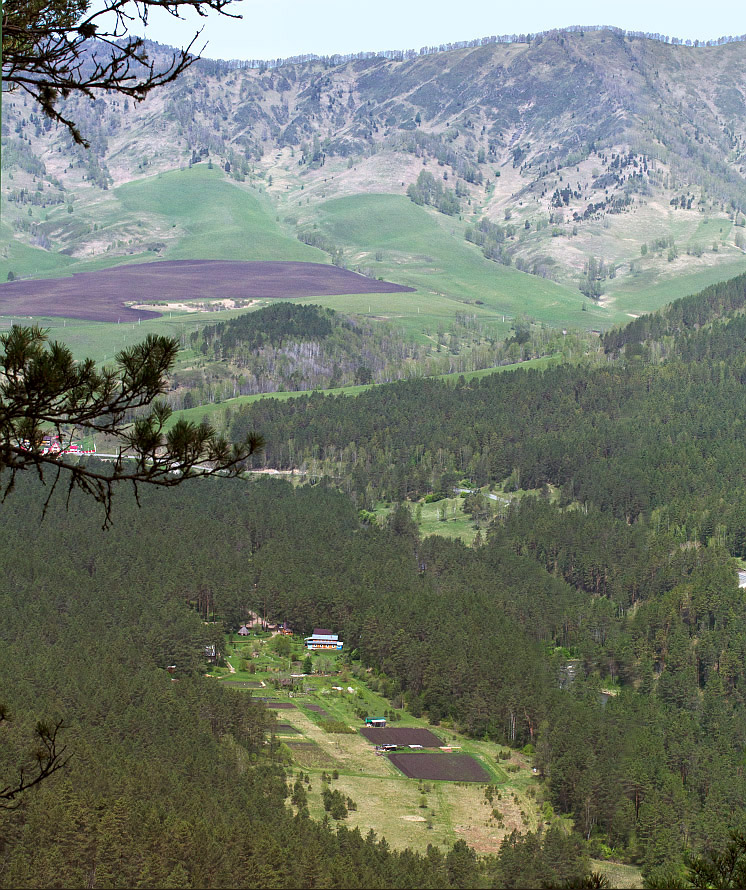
[(243, 631), (375, 721)]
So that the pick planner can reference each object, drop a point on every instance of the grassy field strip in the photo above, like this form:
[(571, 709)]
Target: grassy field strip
[(623, 877), (391, 807), (209, 411)]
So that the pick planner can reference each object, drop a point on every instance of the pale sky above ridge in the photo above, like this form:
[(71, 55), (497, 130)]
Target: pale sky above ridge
[(281, 28)]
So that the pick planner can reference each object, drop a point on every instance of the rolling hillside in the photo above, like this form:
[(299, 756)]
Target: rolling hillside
[(609, 168)]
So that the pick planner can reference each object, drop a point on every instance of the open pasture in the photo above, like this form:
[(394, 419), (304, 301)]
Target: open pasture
[(440, 767), (389, 735), (427, 250), (103, 295)]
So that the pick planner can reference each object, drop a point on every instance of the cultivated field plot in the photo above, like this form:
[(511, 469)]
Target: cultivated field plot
[(443, 767), (401, 736), (287, 728), (310, 755), (317, 709), (101, 296)]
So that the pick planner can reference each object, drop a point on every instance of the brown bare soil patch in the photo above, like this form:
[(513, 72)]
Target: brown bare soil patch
[(444, 767), (103, 295), (389, 735), (317, 709), (279, 705)]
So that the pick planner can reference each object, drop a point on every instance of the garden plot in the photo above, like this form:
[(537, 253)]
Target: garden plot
[(440, 767), (381, 735)]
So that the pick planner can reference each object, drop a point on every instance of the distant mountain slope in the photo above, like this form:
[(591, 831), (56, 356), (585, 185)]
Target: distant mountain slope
[(578, 145)]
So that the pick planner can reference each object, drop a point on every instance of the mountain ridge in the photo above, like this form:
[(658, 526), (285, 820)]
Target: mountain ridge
[(559, 141)]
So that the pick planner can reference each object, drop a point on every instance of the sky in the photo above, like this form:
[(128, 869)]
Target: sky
[(273, 29)]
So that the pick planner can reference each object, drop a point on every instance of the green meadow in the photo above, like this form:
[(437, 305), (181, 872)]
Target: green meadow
[(215, 218), (647, 291), (426, 250)]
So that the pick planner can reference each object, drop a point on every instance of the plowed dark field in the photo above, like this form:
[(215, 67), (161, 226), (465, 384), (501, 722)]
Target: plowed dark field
[(444, 767), (400, 736), (317, 709), (101, 296)]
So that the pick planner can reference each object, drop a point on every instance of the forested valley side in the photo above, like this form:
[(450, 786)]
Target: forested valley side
[(287, 347), (478, 637), (604, 625)]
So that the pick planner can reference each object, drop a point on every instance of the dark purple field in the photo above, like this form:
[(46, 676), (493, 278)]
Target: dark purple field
[(389, 735), (101, 296), (443, 767)]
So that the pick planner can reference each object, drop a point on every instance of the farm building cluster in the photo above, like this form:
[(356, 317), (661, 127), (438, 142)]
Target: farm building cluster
[(53, 445)]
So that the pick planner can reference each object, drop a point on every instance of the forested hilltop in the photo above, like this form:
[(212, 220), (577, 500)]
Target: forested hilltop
[(286, 347), (631, 436)]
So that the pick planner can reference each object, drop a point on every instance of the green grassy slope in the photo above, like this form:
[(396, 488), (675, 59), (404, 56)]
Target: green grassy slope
[(25, 261), (217, 219), (426, 250), (646, 292)]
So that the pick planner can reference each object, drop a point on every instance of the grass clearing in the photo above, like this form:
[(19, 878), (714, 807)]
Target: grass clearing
[(408, 812), (216, 219), (647, 291), (447, 519), (621, 876), (427, 250)]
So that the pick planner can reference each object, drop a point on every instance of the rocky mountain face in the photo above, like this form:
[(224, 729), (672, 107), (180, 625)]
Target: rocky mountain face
[(556, 141)]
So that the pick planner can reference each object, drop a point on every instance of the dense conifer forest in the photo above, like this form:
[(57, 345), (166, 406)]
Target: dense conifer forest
[(599, 621)]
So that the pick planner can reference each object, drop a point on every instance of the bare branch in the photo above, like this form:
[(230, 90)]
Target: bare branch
[(42, 389), (55, 48), (47, 760)]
